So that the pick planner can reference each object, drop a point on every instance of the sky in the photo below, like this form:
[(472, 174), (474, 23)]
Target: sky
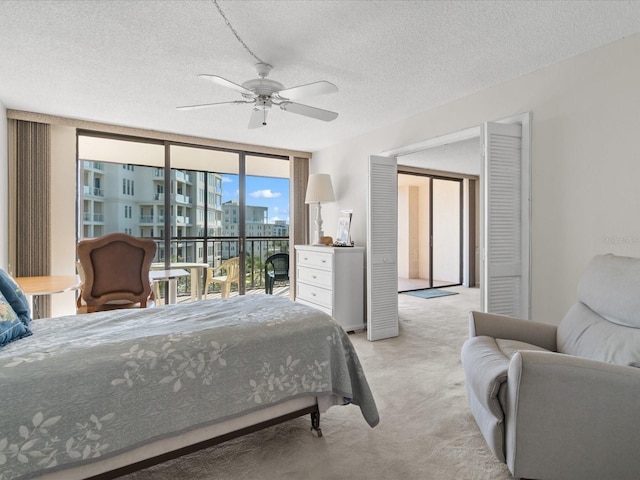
[(261, 192)]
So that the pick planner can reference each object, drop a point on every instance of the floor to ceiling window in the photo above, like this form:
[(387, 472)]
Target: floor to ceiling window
[(202, 205)]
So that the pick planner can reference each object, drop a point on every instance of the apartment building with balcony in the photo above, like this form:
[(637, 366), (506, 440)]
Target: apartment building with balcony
[(256, 225), (131, 199)]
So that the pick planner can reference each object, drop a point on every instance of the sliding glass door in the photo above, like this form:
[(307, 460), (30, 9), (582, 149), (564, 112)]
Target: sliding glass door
[(429, 231), (192, 200), (446, 232)]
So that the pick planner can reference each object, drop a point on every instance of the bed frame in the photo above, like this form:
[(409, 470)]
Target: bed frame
[(204, 437)]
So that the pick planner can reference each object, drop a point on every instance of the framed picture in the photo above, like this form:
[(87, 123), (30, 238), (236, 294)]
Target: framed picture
[(344, 225)]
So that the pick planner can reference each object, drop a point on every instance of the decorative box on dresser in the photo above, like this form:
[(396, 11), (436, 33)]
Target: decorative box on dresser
[(331, 279)]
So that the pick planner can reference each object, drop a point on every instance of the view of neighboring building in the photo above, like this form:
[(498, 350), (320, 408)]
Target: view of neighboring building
[(256, 222), (131, 199)]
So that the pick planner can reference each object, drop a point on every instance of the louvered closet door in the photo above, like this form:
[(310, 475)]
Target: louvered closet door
[(382, 249), (505, 285)]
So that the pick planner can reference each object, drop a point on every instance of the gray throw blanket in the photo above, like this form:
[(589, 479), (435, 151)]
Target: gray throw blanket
[(90, 386)]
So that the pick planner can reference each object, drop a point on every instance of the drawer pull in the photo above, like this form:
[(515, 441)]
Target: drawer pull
[(313, 294), (314, 277)]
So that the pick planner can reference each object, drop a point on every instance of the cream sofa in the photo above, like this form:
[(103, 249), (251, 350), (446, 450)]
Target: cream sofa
[(563, 402)]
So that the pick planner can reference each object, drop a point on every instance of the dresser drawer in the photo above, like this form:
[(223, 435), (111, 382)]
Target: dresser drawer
[(314, 276), (322, 260), (319, 296)]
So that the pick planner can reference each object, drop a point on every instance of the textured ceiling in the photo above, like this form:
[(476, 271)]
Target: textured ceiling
[(132, 62)]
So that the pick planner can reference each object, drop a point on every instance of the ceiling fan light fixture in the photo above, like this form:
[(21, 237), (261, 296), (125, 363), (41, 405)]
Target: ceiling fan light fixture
[(264, 93)]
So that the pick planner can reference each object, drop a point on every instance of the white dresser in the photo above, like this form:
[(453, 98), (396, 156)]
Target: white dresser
[(332, 280)]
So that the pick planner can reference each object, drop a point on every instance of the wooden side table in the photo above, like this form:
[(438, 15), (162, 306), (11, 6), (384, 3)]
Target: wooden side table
[(46, 285)]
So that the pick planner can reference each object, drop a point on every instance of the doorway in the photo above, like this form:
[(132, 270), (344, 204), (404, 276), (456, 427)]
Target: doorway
[(503, 201)]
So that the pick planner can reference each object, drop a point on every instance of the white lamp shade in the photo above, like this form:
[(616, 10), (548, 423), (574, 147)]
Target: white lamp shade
[(319, 189)]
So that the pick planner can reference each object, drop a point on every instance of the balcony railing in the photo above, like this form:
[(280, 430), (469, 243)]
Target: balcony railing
[(218, 249), (96, 192), (182, 198), (93, 217), (182, 176), (93, 165)]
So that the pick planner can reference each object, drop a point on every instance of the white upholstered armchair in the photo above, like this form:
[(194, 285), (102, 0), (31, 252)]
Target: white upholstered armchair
[(563, 402)]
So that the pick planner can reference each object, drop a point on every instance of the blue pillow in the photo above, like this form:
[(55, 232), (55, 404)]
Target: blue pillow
[(11, 328), (15, 296)]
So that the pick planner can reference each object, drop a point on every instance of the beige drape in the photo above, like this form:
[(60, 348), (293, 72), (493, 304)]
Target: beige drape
[(298, 213), (30, 212)]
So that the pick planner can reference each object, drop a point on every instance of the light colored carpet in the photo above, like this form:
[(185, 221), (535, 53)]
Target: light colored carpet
[(426, 431)]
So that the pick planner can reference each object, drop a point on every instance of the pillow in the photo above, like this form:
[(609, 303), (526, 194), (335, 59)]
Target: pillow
[(15, 296), (11, 328)]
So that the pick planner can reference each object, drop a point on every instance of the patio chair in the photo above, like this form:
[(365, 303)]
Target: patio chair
[(276, 268), (231, 273)]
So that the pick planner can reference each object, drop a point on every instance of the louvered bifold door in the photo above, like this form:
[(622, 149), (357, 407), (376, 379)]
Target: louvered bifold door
[(505, 223), (382, 249)]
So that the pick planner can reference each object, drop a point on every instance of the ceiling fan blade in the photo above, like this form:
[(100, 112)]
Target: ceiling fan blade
[(258, 118), (317, 88), (207, 105), (226, 83), (308, 111)]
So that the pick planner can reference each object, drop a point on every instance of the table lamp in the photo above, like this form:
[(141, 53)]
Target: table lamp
[(319, 190)]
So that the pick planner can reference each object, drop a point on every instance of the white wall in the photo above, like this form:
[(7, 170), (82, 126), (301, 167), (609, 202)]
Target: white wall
[(4, 189), (63, 207), (404, 246), (585, 162), (409, 223)]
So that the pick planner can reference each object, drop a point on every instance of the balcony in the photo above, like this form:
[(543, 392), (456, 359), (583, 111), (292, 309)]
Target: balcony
[(182, 198), (92, 191), (186, 249), (182, 177), (146, 219), (89, 165), (93, 217)]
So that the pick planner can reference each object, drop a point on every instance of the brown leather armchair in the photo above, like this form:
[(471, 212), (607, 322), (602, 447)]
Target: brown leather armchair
[(115, 272)]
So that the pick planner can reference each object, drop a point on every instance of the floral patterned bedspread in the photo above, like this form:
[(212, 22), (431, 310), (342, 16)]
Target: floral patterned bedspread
[(89, 386)]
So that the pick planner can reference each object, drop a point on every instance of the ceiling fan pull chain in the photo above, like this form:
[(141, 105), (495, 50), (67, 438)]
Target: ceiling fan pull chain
[(233, 30)]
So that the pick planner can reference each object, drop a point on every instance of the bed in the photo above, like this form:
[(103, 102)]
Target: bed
[(101, 394)]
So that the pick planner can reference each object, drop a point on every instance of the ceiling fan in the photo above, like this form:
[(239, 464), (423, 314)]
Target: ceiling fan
[(264, 93)]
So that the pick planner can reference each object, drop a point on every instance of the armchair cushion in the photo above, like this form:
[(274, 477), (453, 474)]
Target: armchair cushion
[(586, 334), (610, 286)]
